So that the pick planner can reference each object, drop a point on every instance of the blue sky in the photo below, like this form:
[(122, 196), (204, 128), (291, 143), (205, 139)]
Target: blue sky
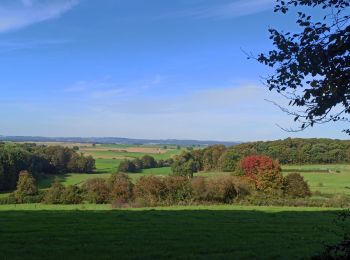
[(142, 69)]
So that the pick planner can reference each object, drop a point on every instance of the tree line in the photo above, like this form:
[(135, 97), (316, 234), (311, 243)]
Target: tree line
[(287, 151), (38, 160), (145, 162), (299, 151), (260, 175)]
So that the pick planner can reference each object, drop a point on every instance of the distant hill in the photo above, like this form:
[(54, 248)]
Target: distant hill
[(113, 140)]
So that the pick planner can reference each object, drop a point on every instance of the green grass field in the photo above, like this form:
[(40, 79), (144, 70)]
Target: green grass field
[(201, 232), (36, 231), (327, 179)]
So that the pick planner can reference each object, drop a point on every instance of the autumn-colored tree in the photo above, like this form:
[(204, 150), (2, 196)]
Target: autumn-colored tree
[(263, 171), (72, 195), (96, 190), (221, 189), (178, 190), (121, 187), (26, 186), (54, 194), (150, 190)]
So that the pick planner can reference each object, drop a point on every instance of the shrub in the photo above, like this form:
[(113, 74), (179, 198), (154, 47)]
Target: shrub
[(168, 162), (184, 169), (263, 171), (127, 166), (54, 194), (200, 189), (150, 190), (317, 193), (26, 187), (178, 190), (160, 163), (148, 162), (121, 188), (72, 195), (221, 189), (295, 186), (138, 164), (81, 164), (243, 186), (228, 161), (96, 191)]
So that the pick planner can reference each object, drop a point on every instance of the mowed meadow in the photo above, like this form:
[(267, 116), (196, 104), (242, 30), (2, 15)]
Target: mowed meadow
[(93, 231), (195, 232)]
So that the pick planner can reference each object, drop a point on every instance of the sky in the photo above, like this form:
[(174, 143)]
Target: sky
[(141, 69)]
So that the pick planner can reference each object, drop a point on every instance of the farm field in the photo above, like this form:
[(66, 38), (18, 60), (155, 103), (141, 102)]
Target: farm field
[(127, 152), (202, 232)]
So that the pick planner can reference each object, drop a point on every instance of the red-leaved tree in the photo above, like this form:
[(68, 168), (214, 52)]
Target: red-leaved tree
[(263, 171)]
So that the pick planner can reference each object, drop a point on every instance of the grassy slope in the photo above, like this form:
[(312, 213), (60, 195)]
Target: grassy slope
[(56, 232)]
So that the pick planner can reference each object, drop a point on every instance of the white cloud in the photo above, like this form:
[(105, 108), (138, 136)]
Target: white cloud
[(19, 14)]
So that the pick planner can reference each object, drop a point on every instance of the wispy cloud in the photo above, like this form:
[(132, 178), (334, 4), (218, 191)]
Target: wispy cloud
[(15, 45), (17, 14), (108, 88), (231, 9)]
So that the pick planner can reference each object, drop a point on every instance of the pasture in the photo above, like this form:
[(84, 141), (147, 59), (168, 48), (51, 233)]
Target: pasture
[(326, 180), (200, 232)]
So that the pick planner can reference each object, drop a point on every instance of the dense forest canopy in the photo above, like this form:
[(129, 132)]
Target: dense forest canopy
[(287, 151), (37, 160), (298, 150)]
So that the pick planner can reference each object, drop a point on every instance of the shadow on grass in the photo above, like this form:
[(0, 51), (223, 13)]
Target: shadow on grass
[(159, 234), (46, 180)]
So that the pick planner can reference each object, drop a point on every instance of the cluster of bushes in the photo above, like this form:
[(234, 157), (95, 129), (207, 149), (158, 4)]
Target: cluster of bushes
[(15, 158), (27, 192), (145, 162), (215, 157), (164, 191), (262, 171)]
